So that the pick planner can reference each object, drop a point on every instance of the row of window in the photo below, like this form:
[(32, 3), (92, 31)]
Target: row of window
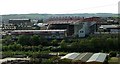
[(81, 31)]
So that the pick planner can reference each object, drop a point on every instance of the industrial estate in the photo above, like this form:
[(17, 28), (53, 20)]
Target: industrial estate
[(61, 40)]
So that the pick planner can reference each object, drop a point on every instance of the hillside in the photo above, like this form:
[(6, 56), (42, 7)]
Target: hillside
[(45, 16)]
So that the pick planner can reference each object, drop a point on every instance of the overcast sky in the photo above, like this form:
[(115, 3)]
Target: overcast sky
[(58, 6)]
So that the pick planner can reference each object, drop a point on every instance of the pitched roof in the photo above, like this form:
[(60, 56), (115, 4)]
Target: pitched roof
[(70, 56), (84, 56), (97, 57)]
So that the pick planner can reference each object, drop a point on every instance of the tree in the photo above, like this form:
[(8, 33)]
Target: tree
[(24, 40), (54, 42), (63, 44), (35, 40), (7, 40)]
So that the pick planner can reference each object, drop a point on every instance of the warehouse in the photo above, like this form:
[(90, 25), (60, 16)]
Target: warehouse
[(75, 26), (44, 33), (86, 58), (97, 58), (70, 56), (82, 58)]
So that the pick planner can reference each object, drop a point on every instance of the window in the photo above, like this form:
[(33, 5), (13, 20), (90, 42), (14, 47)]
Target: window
[(81, 31)]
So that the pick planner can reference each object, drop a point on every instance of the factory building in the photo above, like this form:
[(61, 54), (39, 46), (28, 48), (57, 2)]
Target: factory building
[(21, 24), (86, 58), (75, 26), (70, 26)]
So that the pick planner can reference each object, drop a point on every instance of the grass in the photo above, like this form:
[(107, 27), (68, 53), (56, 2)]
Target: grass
[(113, 60)]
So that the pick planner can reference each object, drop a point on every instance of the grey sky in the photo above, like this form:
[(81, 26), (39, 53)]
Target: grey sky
[(58, 6)]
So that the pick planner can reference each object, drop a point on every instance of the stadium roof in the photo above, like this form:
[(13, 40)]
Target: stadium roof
[(64, 21), (97, 57)]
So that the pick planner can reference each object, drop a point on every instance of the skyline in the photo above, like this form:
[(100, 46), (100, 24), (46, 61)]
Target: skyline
[(57, 6)]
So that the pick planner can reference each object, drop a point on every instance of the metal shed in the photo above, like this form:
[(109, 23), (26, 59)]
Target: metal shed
[(97, 58)]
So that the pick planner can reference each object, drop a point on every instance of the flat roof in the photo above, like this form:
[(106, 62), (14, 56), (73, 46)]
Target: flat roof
[(19, 19), (39, 30), (109, 26)]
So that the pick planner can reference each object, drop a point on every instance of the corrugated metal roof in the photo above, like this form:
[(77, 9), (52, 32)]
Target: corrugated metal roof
[(70, 56), (84, 56), (80, 56), (97, 57)]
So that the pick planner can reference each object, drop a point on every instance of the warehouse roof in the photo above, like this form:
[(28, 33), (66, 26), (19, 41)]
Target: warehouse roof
[(70, 56), (97, 57), (19, 19), (84, 56), (39, 30), (108, 26)]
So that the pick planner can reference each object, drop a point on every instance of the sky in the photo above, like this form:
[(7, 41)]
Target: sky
[(58, 6)]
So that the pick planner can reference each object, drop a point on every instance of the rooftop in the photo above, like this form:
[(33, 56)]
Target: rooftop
[(19, 19), (37, 30), (97, 57)]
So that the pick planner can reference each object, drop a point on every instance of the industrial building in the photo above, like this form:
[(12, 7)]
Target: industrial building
[(69, 26), (86, 58), (44, 33), (110, 28), (21, 24), (75, 26)]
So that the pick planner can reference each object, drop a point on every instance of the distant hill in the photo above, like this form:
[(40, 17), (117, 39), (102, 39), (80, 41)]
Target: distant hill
[(45, 16)]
